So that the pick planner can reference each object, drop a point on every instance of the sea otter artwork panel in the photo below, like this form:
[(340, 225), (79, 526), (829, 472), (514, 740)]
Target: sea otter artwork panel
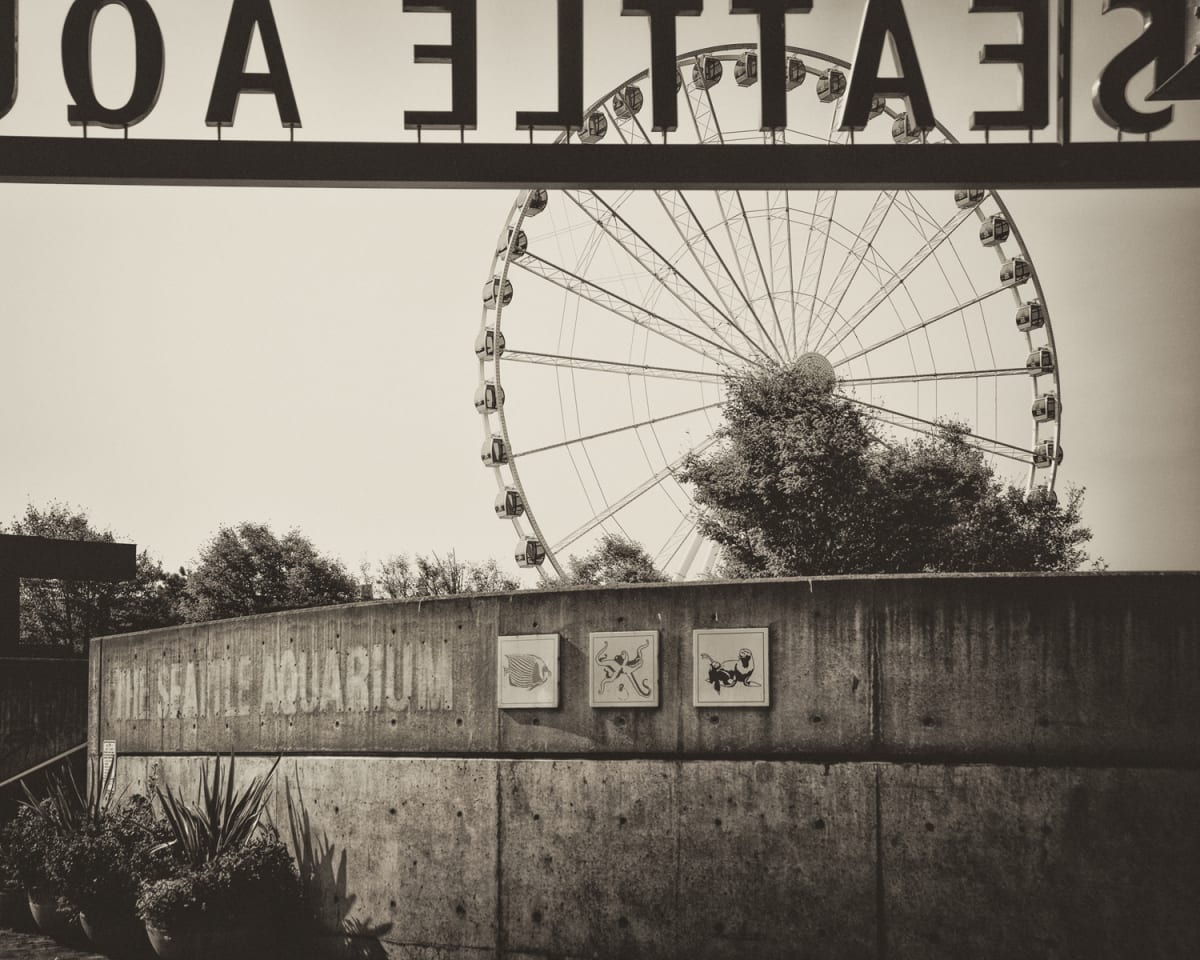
[(731, 668), (527, 672), (623, 669)]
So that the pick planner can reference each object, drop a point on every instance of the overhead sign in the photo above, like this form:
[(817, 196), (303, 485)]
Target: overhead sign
[(1168, 44)]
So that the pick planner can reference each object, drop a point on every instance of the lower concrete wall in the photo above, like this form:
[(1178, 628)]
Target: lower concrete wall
[(950, 767), (43, 710), (469, 858)]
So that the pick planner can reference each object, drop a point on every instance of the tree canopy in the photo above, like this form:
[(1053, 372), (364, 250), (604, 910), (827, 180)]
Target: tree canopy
[(615, 559), (399, 578), (802, 485), (243, 569), (69, 612), (248, 569)]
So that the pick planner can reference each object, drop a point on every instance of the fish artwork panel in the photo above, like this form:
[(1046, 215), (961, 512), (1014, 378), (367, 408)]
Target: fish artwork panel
[(526, 670)]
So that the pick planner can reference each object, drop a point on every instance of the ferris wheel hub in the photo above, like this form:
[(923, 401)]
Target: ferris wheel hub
[(816, 367)]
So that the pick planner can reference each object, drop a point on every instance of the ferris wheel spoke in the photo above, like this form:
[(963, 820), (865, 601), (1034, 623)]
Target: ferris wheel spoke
[(624, 428), (658, 267), (608, 366), (779, 240), (953, 311), (632, 496), (690, 557), (742, 240), (819, 227), (931, 428), (692, 231), (863, 242), (630, 129), (737, 228), (934, 377), (708, 259), (927, 250), (621, 307), (920, 212), (679, 536)]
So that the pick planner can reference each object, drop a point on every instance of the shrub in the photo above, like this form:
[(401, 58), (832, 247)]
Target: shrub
[(8, 871), (175, 902), (254, 881), (101, 866), (226, 865), (34, 846)]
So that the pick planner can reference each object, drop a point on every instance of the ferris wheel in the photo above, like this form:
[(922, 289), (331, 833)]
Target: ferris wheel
[(611, 321)]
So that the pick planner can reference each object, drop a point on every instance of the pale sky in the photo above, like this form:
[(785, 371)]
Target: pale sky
[(181, 358)]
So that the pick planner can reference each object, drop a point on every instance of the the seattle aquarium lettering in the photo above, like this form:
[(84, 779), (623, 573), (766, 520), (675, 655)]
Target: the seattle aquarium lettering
[(403, 675), (1166, 43)]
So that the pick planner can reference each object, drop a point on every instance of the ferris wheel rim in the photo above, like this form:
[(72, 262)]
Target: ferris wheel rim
[(502, 260)]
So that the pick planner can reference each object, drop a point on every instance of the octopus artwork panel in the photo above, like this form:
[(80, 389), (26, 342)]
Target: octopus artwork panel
[(527, 672), (623, 669), (731, 668)]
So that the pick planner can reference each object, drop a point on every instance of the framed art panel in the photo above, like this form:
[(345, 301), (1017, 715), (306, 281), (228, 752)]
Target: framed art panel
[(623, 669), (731, 668), (527, 672)]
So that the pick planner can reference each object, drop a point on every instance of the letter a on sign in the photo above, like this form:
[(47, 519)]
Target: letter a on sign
[(885, 20), (1163, 24), (232, 80)]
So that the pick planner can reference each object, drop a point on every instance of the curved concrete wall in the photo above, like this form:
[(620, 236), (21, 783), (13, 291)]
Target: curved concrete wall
[(951, 766)]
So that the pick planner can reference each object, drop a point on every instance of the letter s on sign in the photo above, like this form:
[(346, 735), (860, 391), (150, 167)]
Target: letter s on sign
[(1160, 44)]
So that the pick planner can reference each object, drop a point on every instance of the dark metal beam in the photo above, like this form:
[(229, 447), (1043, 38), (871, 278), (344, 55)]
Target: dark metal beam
[(626, 166), (40, 558)]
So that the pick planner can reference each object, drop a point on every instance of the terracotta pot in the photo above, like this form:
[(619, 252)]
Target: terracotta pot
[(51, 918), (14, 910), (228, 943), (120, 936), (172, 945)]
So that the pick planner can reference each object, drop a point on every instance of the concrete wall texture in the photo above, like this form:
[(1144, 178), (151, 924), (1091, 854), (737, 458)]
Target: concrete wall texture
[(950, 767)]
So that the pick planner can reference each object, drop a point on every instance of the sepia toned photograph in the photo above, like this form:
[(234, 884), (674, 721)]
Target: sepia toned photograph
[(611, 479)]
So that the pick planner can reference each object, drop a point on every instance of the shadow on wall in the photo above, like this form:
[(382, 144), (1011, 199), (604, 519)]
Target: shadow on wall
[(323, 878)]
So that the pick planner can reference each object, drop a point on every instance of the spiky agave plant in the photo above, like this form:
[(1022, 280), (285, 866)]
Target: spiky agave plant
[(65, 807), (223, 819)]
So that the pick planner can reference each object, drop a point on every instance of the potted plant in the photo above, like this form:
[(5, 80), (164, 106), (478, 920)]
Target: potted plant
[(33, 844), (50, 827), (231, 880), (235, 905), (101, 866), (14, 908)]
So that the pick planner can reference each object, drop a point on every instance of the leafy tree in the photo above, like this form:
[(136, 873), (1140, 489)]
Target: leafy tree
[(615, 559), (399, 578), (801, 485), (69, 612), (248, 569)]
